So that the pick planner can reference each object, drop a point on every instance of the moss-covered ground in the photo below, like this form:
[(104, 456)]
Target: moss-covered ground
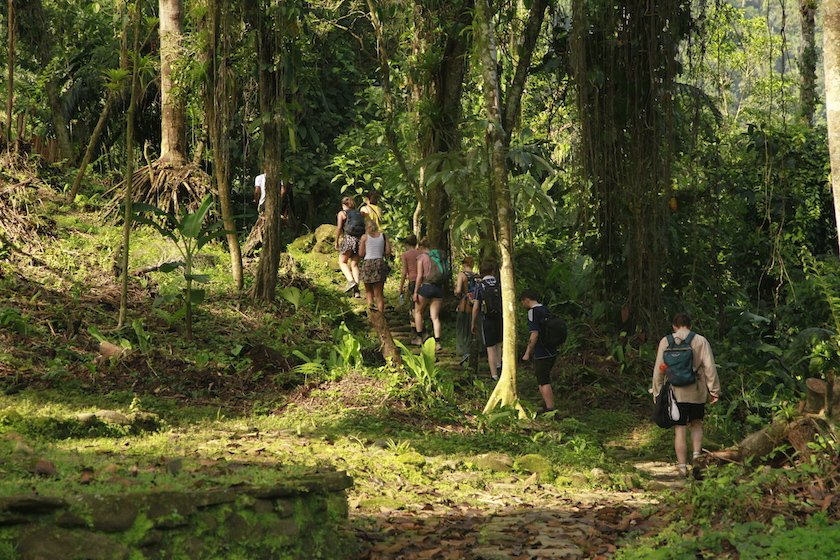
[(265, 391)]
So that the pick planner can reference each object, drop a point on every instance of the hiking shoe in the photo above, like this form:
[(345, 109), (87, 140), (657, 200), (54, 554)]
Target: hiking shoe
[(438, 346), (416, 340), (543, 410), (350, 287), (357, 293)]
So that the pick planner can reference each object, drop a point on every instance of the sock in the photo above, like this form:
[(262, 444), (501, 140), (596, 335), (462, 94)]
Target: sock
[(437, 339), (419, 334)]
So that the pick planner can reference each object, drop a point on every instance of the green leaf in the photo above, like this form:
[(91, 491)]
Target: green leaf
[(170, 266), (191, 225), (197, 296), (200, 278)]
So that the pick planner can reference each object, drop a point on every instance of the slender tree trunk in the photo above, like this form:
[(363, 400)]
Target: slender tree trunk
[(808, 61), (265, 283), (91, 147), (173, 136), (62, 130), (505, 391), (129, 164), (217, 112), (831, 56), (11, 29)]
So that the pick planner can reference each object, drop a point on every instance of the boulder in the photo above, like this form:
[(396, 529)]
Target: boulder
[(533, 463), (324, 239), (494, 462)]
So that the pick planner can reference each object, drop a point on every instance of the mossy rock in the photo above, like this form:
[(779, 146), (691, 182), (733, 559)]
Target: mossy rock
[(412, 458), (324, 239), (533, 463), (302, 244), (493, 462)]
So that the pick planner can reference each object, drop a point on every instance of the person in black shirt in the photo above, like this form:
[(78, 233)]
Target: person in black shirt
[(543, 357)]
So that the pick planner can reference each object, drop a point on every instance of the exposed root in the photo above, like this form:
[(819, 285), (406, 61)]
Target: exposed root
[(170, 188)]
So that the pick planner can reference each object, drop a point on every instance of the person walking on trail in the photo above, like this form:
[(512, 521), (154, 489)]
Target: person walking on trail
[(487, 306), (349, 228), (465, 285), (542, 357), (408, 271), (259, 191), (692, 388), (428, 292), (374, 248), (286, 197), (370, 208)]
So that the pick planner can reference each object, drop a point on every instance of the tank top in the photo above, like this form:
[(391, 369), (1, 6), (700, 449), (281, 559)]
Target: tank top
[(375, 247)]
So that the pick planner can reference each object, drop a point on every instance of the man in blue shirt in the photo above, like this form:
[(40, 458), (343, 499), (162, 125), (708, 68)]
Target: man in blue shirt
[(543, 357)]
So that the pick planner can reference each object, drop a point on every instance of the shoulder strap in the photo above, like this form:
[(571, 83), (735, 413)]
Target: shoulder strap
[(671, 340), (689, 338)]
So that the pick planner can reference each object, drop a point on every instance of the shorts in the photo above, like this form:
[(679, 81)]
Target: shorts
[(373, 271), (349, 245), (690, 411), (430, 291), (542, 369), (491, 331)]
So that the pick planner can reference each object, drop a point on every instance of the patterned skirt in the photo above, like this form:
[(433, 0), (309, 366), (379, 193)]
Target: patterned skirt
[(349, 245), (372, 271)]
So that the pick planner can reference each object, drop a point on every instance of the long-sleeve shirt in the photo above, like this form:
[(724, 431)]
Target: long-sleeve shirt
[(703, 364)]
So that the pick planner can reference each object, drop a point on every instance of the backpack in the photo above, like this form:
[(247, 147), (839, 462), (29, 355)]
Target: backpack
[(439, 268), (679, 361), (472, 284), (491, 300), (552, 332), (354, 224)]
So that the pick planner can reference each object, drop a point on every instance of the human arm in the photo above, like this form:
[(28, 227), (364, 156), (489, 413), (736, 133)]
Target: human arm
[(707, 363), (339, 225), (532, 343), (476, 305), (256, 194), (460, 284), (658, 370), (419, 280), (363, 245), (388, 253), (403, 274)]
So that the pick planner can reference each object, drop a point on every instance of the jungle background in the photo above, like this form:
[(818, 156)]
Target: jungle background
[(628, 160)]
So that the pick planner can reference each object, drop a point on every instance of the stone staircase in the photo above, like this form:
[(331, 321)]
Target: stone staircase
[(403, 331)]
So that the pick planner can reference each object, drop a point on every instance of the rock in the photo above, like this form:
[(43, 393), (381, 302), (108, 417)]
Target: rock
[(31, 504), (44, 467), (533, 463), (174, 466), (324, 239), (412, 458), (112, 514), (45, 543), (71, 520), (494, 462), (304, 243), (113, 417)]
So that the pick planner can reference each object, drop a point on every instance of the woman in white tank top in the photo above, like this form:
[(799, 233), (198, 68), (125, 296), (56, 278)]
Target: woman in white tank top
[(374, 247)]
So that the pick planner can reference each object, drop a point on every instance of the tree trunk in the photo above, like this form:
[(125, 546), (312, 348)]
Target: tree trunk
[(504, 393), (265, 283), (831, 57), (380, 325), (218, 104), (173, 137), (94, 139), (11, 74), (808, 61), (59, 119), (129, 165)]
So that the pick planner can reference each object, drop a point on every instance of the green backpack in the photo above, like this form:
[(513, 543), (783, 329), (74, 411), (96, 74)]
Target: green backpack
[(439, 269)]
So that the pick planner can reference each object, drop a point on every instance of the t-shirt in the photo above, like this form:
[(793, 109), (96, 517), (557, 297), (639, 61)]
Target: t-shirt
[(410, 260), (259, 182), (374, 212), (536, 316)]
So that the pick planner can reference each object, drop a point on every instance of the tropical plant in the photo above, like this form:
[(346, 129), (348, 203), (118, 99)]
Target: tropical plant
[(190, 234), (435, 383)]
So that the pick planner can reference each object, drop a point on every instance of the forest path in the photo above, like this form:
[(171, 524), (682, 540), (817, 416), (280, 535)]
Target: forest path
[(475, 516)]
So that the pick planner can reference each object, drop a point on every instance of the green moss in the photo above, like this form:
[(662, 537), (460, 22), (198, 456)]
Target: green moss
[(533, 463)]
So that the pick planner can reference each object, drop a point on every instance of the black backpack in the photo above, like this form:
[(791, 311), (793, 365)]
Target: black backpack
[(354, 223), (553, 332), (491, 300)]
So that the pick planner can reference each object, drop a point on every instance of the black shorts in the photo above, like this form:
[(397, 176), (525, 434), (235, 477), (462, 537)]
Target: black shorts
[(542, 369), (431, 291), (690, 411), (491, 330)]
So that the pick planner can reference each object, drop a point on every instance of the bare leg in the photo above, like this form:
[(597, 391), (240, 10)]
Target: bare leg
[(379, 296), (548, 396), (696, 427), (680, 446), (369, 293), (344, 265), (419, 307), (434, 313), (354, 268), (492, 360)]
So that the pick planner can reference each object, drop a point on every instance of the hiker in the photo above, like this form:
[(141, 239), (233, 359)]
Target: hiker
[(487, 305), (259, 191), (349, 228), (370, 209), (543, 358), (408, 271), (465, 285), (285, 195), (374, 248), (428, 292), (692, 396)]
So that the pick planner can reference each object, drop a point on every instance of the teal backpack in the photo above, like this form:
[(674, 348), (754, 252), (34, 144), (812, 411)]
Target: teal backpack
[(679, 359), (439, 269)]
